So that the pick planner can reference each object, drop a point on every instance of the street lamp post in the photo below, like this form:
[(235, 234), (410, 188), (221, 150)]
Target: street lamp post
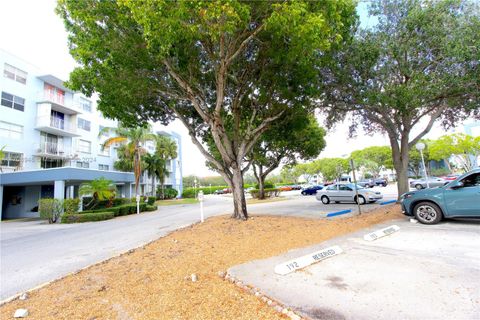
[(420, 147)]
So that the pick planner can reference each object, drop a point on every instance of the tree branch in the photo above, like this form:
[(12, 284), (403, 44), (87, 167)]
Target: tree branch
[(429, 126), (244, 44)]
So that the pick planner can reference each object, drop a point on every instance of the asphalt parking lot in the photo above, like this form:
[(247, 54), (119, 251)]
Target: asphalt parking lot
[(418, 272), (309, 207)]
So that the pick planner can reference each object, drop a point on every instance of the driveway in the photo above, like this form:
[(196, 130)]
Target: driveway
[(419, 272), (33, 252)]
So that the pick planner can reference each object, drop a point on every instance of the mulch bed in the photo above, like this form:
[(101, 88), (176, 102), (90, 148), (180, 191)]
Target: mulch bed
[(153, 282)]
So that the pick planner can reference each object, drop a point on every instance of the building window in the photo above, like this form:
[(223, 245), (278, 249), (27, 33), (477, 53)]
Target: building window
[(83, 124), (13, 73), (84, 146), (103, 167), (12, 159), (14, 102), (10, 130), (103, 152), (86, 105), (83, 164)]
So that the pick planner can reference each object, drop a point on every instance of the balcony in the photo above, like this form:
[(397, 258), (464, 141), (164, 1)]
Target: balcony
[(53, 151), (56, 126), (58, 103)]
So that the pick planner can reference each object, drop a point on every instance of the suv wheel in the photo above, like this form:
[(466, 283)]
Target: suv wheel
[(428, 213), (418, 187)]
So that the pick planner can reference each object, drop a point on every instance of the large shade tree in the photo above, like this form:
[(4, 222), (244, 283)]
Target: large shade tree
[(226, 69), (417, 66)]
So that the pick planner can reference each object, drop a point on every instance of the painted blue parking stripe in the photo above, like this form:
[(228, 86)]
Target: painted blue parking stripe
[(337, 213), (388, 202)]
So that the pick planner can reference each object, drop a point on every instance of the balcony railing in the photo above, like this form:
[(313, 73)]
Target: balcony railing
[(56, 150), (55, 125)]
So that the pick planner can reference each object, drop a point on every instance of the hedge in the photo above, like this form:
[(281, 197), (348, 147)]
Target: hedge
[(151, 208), (104, 203), (122, 210), (85, 217), (269, 192)]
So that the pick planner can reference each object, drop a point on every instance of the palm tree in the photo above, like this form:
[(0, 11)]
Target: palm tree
[(166, 150), (153, 165), (135, 139), (100, 189)]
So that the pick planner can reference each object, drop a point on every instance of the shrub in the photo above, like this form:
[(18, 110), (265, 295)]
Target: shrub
[(151, 208), (269, 192), (267, 185), (50, 209), (93, 216), (170, 193), (151, 200), (71, 205)]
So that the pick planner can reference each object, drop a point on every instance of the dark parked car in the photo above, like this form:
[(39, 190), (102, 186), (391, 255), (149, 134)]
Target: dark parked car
[(381, 182), (219, 191), (458, 199), (367, 183), (311, 190)]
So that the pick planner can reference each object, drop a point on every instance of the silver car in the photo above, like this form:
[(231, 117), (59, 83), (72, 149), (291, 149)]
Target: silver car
[(340, 192), (433, 182)]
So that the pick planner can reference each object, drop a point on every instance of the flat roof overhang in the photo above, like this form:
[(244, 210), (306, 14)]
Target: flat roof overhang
[(67, 174)]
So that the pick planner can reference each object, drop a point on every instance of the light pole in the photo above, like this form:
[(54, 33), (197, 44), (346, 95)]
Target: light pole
[(420, 147), (352, 165)]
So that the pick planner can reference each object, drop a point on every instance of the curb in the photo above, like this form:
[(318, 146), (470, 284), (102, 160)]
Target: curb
[(274, 304)]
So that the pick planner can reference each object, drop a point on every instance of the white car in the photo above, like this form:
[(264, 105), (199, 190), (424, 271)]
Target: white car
[(345, 192)]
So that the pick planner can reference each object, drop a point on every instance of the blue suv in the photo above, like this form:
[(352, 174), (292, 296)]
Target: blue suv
[(457, 199)]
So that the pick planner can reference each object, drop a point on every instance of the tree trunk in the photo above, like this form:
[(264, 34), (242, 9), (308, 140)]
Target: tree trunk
[(260, 177), (400, 162), (239, 202)]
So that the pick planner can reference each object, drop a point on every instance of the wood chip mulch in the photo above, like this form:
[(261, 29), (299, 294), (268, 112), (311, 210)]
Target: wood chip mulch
[(153, 282)]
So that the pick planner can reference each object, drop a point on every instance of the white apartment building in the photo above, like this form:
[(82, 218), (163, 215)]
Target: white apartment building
[(50, 137)]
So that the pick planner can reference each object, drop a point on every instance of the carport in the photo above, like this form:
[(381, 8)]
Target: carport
[(20, 191)]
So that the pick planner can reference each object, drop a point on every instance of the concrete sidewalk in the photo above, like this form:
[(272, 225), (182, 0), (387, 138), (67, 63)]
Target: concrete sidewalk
[(419, 272)]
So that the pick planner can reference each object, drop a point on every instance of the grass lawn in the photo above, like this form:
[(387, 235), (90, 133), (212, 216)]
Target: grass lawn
[(274, 199), (174, 202), (153, 281)]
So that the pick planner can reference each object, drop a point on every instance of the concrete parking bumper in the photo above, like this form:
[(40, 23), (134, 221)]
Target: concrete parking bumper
[(418, 272)]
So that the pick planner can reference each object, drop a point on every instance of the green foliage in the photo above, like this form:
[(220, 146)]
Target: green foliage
[(373, 159), (151, 200), (100, 189), (464, 149), (71, 205), (88, 204), (267, 185), (151, 208), (331, 168), (50, 209), (170, 193), (86, 217), (269, 192)]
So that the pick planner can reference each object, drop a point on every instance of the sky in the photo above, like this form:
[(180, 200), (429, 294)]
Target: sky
[(39, 37)]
